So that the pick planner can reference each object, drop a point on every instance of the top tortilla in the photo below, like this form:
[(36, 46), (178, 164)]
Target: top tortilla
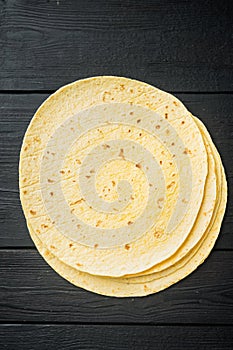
[(103, 110)]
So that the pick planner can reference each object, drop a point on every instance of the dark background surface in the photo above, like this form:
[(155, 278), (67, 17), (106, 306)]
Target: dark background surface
[(184, 47)]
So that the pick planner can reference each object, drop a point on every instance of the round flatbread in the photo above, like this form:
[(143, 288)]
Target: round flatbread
[(112, 175)]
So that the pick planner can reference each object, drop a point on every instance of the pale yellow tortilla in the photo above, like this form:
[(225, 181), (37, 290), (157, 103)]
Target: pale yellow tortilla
[(124, 287), (147, 251)]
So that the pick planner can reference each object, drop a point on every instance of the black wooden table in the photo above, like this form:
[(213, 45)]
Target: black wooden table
[(184, 47)]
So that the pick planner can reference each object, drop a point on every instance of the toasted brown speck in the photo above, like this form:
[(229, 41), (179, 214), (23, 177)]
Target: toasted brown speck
[(71, 245), (171, 184), (96, 245), (78, 264), (166, 115), (157, 127), (25, 192), (51, 193), (130, 223), (33, 212), (138, 166), (50, 181), (121, 154), (105, 146), (182, 122), (113, 183), (131, 113), (98, 223), (175, 103), (127, 246), (88, 176), (138, 121)]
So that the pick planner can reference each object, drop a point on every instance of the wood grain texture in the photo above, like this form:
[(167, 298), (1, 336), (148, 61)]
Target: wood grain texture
[(72, 337), (176, 45), (30, 291), (16, 112)]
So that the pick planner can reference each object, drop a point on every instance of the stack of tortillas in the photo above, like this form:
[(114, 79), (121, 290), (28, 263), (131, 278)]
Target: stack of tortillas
[(122, 187)]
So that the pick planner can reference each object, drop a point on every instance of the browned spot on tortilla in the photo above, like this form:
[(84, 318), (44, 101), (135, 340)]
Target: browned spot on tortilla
[(170, 185), (166, 115), (175, 103), (127, 246), (166, 107), (77, 202), (140, 134), (184, 200), (92, 171), (150, 185), (170, 163), (37, 139), (78, 225), (131, 113), (129, 222), (167, 132), (159, 202), (138, 166), (62, 172), (72, 210), (157, 127), (78, 264), (50, 181), (72, 129), (187, 151), (105, 95), (157, 234), (173, 143), (71, 245), (121, 154), (145, 288), (52, 247), (160, 162), (138, 121), (105, 146), (24, 180), (98, 223), (182, 122), (37, 231), (113, 183), (122, 87), (88, 176), (44, 226), (112, 98), (129, 130), (131, 90), (96, 245), (25, 192), (33, 212), (51, 193), (25, 148), (78, 161)]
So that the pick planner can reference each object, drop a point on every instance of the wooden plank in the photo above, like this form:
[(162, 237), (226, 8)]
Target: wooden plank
[(174, 44), (64, 337), (16, 112), (30, 291)]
